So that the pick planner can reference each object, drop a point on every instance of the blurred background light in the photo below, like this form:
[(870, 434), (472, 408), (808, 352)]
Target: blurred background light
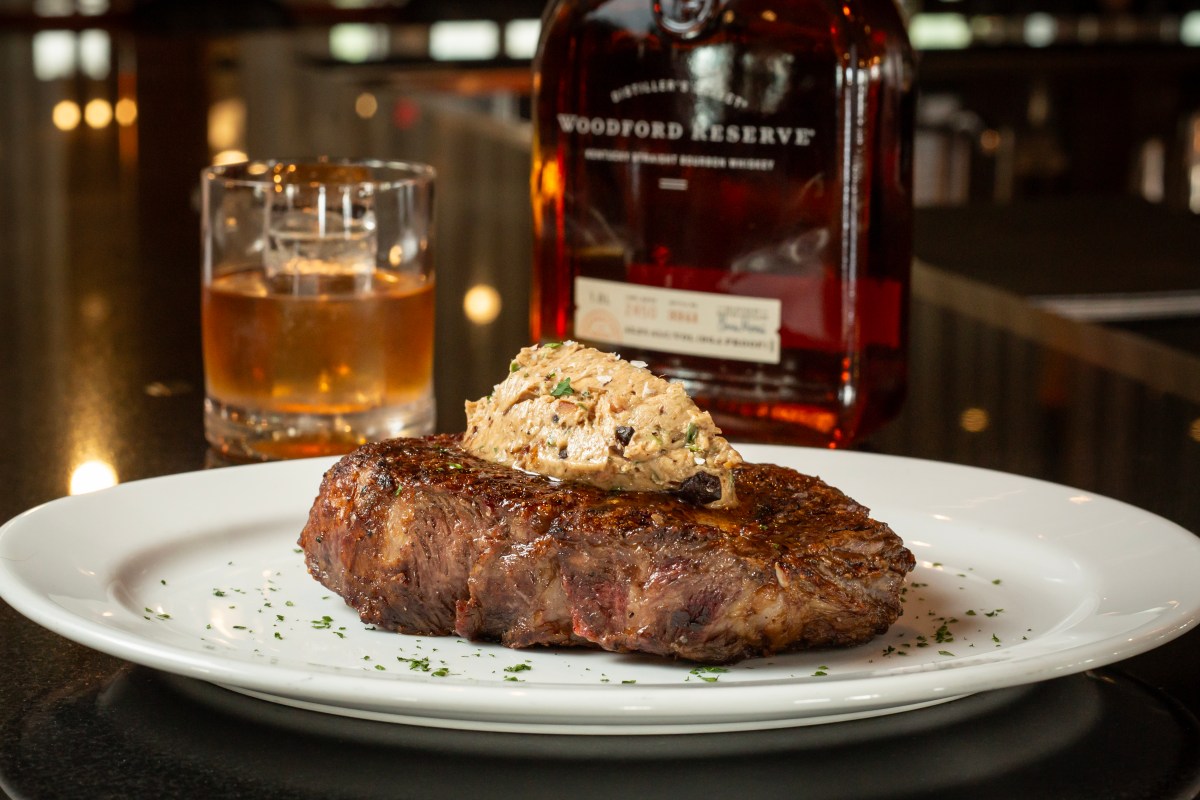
[(482, 304), (53, 55), (227, 124), (1040, 30), (939, 31), (95, 54), (126, 111), (365, 105), (228, 157), (1189, 29), (92, 476), (358, 42), (53, 8), (66, 115), (470, 40), (97, 113), (974, 420), (521, 38)]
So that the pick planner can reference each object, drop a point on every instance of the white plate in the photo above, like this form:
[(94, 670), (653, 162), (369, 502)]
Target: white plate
[(198, 574)]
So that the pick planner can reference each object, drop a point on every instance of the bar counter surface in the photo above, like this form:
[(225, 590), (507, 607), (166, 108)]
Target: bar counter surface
[(101, 373)]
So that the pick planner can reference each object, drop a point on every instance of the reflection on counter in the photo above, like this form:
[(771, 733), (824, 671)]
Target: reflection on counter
[(92, 476), (1046, 738)]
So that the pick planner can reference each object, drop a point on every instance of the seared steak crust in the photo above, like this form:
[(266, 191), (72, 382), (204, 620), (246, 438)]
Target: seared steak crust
[(422, 538)]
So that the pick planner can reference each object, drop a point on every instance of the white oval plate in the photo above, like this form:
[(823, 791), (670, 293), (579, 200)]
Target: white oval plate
[(198, 574)]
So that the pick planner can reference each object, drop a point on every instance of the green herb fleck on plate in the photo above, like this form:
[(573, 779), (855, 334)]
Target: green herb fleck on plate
[(708, 674)]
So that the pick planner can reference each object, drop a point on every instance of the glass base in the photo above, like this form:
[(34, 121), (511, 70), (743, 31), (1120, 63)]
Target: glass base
[(242, 434)]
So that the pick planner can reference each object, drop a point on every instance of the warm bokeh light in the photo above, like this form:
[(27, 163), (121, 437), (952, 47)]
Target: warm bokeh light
[(365, 105), (482, 304), (974, 420), (91, 476), (98, 113), (228, 157), (1194, 431), (227, 124), (126, 111), (990, 141), (66, 115)]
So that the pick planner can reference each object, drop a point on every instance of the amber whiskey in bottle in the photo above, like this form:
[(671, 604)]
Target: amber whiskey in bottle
[(722, 189)]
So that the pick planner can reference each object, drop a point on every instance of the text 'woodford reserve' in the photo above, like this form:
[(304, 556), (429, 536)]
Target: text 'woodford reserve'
[(672, 131)]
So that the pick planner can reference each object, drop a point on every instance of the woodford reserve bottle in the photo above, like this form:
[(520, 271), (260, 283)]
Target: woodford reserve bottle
[(722, 190)]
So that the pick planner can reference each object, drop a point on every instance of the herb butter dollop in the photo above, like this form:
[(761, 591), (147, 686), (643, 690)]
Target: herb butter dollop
[(573, 412)]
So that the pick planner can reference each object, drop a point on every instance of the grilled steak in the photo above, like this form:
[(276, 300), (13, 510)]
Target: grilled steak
[(422, 538)]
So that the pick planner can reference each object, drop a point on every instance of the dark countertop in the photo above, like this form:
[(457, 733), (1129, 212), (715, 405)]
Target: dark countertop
[(100, 360)]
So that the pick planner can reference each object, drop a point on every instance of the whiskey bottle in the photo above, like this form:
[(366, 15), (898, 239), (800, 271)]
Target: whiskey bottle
[(722, 189)]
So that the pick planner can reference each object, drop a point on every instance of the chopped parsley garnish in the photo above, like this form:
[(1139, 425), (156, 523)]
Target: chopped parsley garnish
[(518, 668), (418, 664), (690, 440), (703, 673), (562, 388), (514, 366)]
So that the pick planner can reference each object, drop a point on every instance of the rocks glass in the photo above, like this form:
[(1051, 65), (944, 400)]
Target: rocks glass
[(318, 305)]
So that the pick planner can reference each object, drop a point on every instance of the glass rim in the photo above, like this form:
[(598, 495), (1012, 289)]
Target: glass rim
[(385, 173)]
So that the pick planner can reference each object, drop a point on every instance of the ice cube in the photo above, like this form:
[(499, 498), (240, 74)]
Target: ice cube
[(308, 252)]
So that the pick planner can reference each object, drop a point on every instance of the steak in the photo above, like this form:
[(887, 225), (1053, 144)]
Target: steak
[(422, 538)]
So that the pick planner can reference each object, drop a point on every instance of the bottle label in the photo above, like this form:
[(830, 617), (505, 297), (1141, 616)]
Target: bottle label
[(678, 321)]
